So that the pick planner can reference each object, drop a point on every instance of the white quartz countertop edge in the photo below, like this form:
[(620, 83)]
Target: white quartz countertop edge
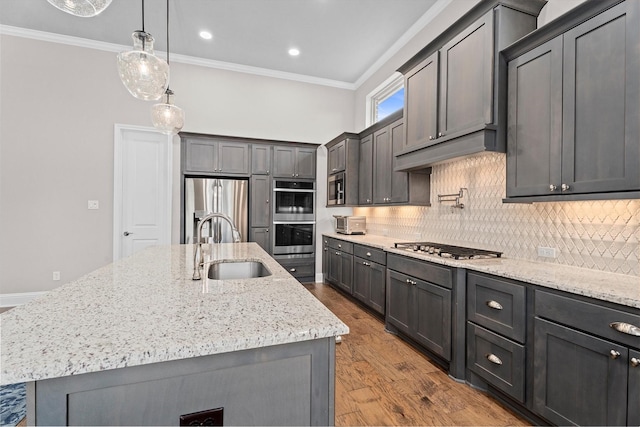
[(612, 287), (146, 309)]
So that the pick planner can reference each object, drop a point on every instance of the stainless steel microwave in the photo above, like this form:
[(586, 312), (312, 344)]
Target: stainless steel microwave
[(335, 190)]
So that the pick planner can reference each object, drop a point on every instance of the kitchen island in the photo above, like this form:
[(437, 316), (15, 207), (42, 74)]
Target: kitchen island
[(138, 342)]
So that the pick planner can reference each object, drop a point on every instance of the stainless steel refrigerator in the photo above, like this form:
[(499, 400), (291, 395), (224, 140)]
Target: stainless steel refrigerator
[(206, 195)]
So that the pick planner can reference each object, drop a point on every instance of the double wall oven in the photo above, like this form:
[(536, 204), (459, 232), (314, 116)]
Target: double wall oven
[(294, 215)]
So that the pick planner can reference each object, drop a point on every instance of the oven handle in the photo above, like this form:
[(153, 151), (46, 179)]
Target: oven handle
[(294, 222), (294, 190)]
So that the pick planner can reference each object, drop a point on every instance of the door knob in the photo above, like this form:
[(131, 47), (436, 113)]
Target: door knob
[(126, 233)]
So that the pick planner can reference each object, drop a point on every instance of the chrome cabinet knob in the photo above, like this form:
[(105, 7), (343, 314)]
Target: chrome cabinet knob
[(440, 135), (565, 187), (267, 171), (338, 253), (635, 362), (126, 233), (339, 245), (614, 354), (431, 138), (552, 187), (368, 200), (368, 253), (293, 270)]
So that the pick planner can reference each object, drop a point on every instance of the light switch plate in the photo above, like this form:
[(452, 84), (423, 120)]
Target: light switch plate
[(93, 204), (547, 252)]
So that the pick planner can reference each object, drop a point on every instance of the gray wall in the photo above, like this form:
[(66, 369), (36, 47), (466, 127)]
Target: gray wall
[(59, 104)]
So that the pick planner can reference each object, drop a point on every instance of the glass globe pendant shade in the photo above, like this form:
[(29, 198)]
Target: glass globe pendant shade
[(143, 74), (82, 8), (167, 118)]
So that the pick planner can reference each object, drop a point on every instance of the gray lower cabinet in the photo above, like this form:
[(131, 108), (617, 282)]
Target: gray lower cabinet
[(369, 277), (215, 155), (302, 268), (294, 162), (573, 102), (340, 268), (496, 333), (419, 303), (261, 236), (584, 369)]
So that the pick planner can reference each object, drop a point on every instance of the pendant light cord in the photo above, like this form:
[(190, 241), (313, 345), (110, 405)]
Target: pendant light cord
[(167, 32), (143, 16)]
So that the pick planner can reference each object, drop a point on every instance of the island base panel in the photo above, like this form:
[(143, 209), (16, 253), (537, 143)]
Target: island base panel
[(290, 384)]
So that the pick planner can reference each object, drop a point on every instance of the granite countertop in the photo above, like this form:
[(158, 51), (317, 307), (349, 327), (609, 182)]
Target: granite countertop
[(612, 287), (146, 309)]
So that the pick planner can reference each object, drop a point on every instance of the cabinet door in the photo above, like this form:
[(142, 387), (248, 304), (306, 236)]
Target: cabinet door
[(233, 158), (260, 159), (382, 166), (325, 258), (399, 184), (361, 279), (260, 213), (534, 122), (346, 272), (576, 378), (337, 157), (432, 317), (601, 137), (201, 156), (284, 164), (633, 407), (365, 171), (260, 235), (335, 267), (399, 301), (421, 103), (306, 163), (377, 287), (466, 86)]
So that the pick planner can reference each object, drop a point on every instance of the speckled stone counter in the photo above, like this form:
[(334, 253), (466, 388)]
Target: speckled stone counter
[(612, 287), (146, 309)]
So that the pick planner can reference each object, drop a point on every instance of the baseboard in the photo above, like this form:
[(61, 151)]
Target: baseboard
[(12, 300)]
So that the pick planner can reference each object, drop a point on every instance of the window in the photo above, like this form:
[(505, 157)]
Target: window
[(385, 99)]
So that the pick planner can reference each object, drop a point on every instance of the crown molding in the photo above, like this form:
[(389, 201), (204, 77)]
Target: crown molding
[(421, 23), (184, 59)]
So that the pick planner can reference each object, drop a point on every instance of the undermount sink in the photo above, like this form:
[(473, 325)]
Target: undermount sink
[(237, 270)]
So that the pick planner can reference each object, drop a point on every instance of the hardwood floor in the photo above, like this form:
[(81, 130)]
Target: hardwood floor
[(381, 380)]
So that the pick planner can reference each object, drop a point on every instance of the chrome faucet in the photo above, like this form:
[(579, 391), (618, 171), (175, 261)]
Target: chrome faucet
[(198, 263)]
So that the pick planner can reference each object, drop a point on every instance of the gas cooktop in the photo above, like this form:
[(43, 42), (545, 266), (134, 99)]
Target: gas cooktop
[(448, 251)]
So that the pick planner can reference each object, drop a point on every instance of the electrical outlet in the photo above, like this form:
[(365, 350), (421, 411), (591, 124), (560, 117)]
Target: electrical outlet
[(545, 252), (93, 204), (56, 275)]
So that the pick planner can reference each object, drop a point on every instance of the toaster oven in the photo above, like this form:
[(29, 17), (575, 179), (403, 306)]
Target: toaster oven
[(351, 224)]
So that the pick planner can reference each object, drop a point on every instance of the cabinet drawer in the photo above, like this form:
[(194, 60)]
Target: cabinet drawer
[(587, 316), (304, 267), (497, 304), (370, 254), (424, 270), (341, 245), (499, 361)]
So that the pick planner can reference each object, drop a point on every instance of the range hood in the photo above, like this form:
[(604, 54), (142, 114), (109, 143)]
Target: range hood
[(462, 144)]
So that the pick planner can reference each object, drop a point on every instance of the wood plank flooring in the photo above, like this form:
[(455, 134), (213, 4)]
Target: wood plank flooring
[(382, 381)]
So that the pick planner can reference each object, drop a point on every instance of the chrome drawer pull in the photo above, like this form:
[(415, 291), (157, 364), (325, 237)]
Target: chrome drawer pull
[(626, 328), (614, 354), (494, 359), (635, 362), (494, 304)]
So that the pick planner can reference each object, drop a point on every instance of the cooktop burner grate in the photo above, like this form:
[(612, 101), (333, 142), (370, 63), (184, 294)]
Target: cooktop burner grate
[(448, 251)]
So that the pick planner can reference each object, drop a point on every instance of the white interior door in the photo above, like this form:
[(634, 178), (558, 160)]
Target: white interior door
[(142, 189)]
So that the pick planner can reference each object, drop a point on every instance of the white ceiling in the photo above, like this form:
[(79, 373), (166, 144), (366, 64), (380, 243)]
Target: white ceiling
[(339, 40)]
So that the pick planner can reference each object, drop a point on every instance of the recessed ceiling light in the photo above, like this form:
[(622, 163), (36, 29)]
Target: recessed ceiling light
[(294, 52), (206, 35)]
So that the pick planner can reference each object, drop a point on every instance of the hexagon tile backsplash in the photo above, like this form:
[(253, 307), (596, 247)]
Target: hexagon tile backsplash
[(601, 235)]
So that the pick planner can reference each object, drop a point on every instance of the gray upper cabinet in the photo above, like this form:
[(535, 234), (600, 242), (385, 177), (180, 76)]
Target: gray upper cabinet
[(421, 98), (455, 87), (573, 103), (466, 64), (294, 162), (215, 156), (365, 171), (260, 159), (388, 186), (338, 157)]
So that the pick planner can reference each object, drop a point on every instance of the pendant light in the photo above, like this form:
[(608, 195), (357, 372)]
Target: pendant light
[(82, 8), (167, 118), (143, 74)]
